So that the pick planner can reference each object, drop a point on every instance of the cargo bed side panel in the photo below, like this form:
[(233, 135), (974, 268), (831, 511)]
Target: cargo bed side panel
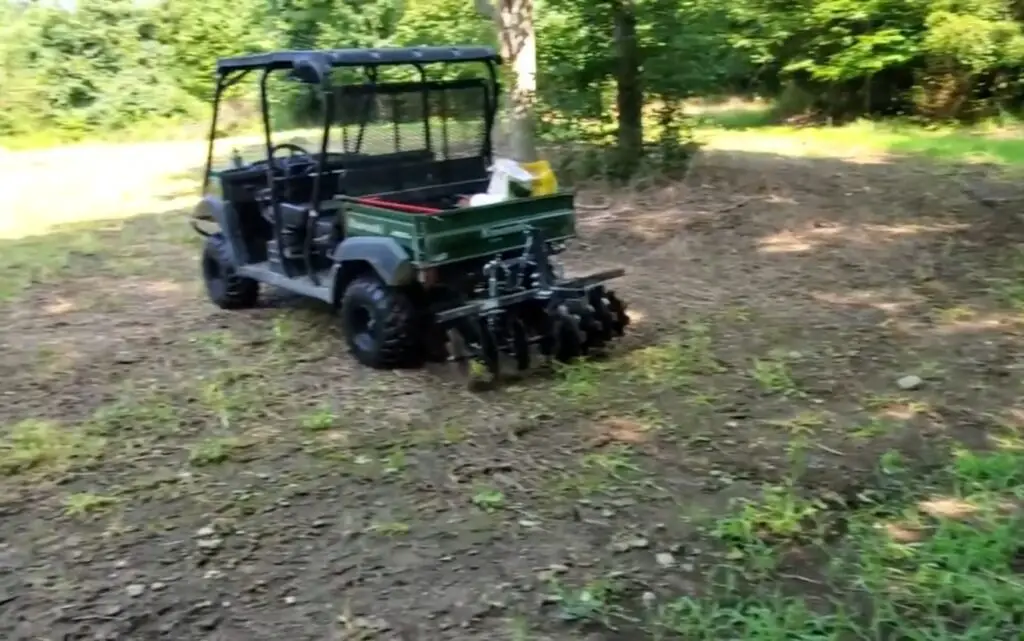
[(483, 231), (471, 232)]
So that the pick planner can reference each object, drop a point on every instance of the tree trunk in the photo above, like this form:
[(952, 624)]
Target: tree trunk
[(629, 90), (514, 21)]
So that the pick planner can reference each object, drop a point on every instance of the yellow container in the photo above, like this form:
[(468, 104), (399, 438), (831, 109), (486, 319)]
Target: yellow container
[(544, 182)]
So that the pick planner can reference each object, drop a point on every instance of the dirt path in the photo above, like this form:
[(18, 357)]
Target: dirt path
[(175, 471)]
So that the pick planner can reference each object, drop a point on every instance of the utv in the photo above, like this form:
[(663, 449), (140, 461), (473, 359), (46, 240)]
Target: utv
[(375, 222)]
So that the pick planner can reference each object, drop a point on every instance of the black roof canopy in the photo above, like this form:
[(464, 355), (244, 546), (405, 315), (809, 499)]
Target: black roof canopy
[(325, 59)]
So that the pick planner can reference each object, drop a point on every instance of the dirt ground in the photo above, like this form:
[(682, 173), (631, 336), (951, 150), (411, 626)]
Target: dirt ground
[(801, 328)]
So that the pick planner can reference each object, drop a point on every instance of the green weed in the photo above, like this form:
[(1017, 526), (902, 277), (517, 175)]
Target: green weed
[(84, 504), (213, 451), (45, 446)]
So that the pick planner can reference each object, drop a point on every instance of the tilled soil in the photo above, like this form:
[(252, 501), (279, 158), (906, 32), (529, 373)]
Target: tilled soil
[(176, 471)]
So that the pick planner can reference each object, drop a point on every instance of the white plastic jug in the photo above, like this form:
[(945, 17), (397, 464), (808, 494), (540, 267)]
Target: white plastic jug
[(505, 170)]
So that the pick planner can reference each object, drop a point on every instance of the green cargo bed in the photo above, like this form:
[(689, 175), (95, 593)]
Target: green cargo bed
[(465, 233)]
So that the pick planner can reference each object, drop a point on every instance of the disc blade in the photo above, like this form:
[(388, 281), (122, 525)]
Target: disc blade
[(568, 339), (519, 342), (489, 355), (602, 313), (459, 355), (618, 311)]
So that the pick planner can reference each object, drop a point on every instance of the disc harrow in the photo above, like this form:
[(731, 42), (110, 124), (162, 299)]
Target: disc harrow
[(525, 315), (487, 349)]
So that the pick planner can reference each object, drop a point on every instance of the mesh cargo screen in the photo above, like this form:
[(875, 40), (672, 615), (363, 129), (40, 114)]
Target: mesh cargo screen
[(447, 119)]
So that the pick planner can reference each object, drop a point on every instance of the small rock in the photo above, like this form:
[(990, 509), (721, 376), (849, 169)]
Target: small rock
[(910, 382), (372, 623), (209, 622), (209, 544), (637, 543), (547, 575), (529, 523), (665, 559), (135, 590), (156, 586), (206, 532), (687, 567), (649, 598), (213, 574), (290, 600), (121, 564), (112, 610)]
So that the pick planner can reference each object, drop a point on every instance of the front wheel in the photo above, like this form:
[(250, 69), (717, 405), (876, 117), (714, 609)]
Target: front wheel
[(379, 323), (225, 288)]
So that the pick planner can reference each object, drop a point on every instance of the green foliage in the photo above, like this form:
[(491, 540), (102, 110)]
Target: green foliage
[(851, 57), (105, 65)]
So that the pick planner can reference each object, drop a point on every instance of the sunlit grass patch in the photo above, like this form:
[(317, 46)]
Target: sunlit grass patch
[(773, 373), (137, 413), (321, 419), (488, 499), (87, 504), (606, 471), (235, 393), (44, 446), (581, 380), (216, 450), (948, 566), (779, 515), (674, 363), (43, 259), (758, 127)]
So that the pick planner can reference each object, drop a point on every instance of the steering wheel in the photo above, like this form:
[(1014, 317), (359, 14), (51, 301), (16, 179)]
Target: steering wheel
[(299, 163), (296, 152)]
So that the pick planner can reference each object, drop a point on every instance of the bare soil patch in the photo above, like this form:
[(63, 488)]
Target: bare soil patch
[(175, 471)]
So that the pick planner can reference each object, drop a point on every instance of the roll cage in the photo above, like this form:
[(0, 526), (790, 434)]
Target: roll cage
[(314, 68)]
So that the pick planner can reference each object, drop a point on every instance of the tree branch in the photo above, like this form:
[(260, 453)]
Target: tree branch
[(485, 8)]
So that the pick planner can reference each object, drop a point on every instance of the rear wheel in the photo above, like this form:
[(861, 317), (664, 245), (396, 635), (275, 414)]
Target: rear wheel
[(379, 323), (225, 288)]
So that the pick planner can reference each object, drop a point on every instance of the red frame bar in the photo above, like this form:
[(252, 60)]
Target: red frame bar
[(390, 204)]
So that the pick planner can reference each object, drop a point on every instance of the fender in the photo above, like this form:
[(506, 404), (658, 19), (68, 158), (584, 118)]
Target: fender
[(221, 212), (388, 259)]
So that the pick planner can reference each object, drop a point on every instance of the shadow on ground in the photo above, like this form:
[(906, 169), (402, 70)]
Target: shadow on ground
[(175, 470)]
